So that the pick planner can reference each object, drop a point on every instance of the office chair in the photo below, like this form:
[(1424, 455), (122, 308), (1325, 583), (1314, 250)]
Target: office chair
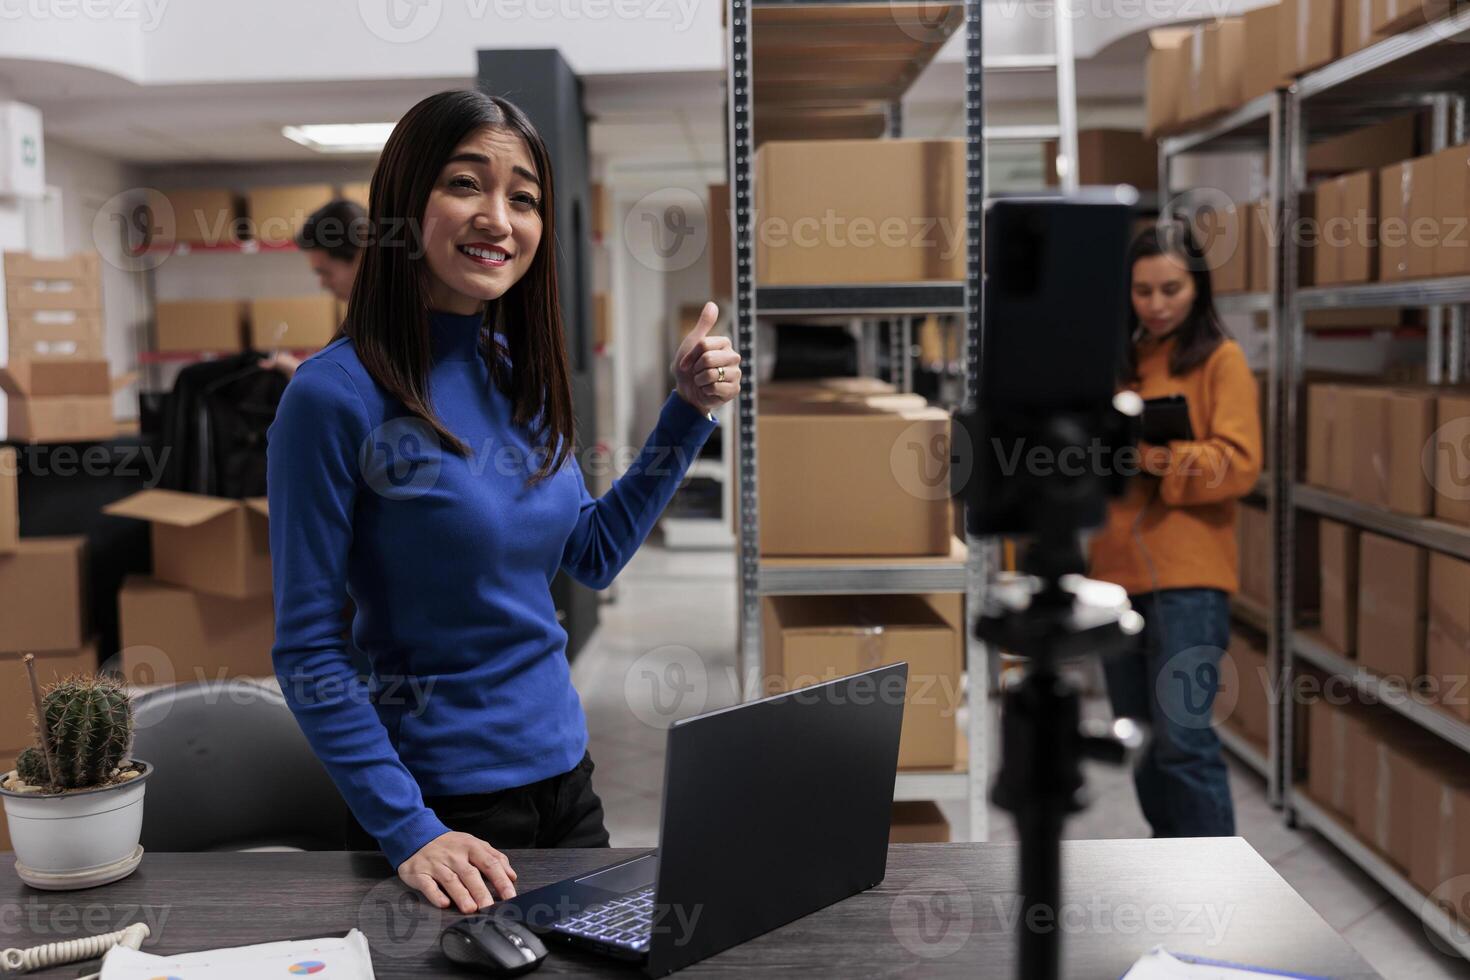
[(232, 771)]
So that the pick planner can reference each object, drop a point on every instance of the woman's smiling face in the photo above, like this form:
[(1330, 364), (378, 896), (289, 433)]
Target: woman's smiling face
[(482, 224)]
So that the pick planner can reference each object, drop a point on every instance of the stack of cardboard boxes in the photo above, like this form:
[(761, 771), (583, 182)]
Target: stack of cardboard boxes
[(266, 217), (43, 610), (206, 612), (57, 384), (1246, 710)]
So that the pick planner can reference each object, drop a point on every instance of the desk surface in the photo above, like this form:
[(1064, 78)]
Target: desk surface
[(944, 910)]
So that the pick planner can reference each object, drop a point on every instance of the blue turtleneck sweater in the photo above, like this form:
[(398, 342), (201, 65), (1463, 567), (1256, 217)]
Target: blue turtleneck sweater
[(449, 562)]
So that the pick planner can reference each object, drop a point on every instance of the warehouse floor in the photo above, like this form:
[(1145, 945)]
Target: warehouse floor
[(672, 605)]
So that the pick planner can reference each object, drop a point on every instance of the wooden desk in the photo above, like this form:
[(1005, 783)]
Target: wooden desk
[(944, 910)]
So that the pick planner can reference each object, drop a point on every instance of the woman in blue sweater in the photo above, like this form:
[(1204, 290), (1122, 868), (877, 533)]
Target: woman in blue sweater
[(422, 465)]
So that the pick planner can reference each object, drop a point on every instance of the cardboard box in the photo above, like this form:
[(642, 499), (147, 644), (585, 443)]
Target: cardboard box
[(1357, 26), (1338, 544), (1392, 606), (1215, 82), (200, 637), (1409, 228), (1308, 37), (1452, 459), (1262, 34), (1347, 215), (200, 216), (601, 328), (1387, 754), (810, 639), (597, 210), (293, 323), (1390, 427), (1325, 264), (721, 241), (277, 213), (918, 822), (65, 418), (1227, 248), (198, 325), (24, 378), (1248, 709), (1330, 752), (17, 711), (852, 211), (845, 479), (1397, 16), (1330, 436), (1260, 250), (85, 266), (9, 500), (356, 193), (1168, 66), (1108, 156), (1439, 836), (1447, 647), (1369, 148), (43, 595), (1253, 528), (210, 544), (55, 334), (77, 295), (1452, 204)]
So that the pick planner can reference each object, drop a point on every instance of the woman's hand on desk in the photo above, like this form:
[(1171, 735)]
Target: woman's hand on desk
[(706, 369), (453, 867)]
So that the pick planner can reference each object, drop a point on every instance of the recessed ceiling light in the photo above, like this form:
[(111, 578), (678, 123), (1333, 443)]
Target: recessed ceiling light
[(340, 137)]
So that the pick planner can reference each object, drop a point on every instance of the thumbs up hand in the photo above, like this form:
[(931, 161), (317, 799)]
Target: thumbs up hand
[(706, 369)]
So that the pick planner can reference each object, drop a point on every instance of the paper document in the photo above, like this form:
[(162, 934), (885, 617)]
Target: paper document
[(333, 958), (1157, 964)]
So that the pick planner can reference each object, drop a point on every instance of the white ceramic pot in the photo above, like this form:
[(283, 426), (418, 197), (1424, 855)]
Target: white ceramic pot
[(78, 839)]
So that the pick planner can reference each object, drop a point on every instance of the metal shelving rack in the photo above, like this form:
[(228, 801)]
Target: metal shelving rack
[(963, 571), (1422, 68)]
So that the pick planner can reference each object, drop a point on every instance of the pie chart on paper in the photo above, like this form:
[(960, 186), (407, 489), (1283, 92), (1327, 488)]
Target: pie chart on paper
[(306, 966)]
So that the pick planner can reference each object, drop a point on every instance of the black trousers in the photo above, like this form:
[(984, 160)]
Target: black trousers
[(560, 811)]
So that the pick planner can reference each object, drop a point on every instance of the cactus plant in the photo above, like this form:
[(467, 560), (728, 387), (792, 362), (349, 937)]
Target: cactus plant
[(30, 766), (90, 721)]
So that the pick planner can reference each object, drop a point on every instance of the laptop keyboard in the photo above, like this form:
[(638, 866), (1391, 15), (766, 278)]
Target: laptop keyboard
[(624, 921)]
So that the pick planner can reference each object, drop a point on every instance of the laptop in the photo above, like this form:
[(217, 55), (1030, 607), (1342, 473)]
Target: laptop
[(794, 789)]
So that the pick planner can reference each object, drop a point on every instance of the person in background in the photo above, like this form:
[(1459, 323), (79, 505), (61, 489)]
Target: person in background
[(424, 464), (1171, 540), (332, 240)]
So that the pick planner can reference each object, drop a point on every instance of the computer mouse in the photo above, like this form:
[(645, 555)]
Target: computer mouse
[(492, 944)]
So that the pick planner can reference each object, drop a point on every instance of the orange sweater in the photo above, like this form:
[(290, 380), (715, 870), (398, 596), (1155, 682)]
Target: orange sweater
[(1188, 525)]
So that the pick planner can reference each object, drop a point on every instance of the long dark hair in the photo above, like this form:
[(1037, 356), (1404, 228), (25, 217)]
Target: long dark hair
[(1201, 332), (388, 313)]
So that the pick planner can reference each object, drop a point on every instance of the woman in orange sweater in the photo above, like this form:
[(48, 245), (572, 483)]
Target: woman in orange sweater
[(1171, 540)]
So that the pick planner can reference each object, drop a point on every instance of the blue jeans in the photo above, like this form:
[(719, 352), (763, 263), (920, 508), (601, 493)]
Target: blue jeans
[(1169, 683)]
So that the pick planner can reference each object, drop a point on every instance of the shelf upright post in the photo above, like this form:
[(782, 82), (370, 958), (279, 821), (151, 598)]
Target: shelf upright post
[(1288, 176)]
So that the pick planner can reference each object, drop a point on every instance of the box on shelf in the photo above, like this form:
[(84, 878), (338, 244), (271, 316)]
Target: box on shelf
[(1331, 769), (1260, 245), (845, 479), (201, 636), (1347, 214), (918, 822), (1408, 227), (1357, 26), (1447, 644), (1452, 207), (1388, 752), (357, 193), (1168, 65), (1390, 427), (1330, 436), (1308, 35), (1392, 606), (211, 544), (198, 325), (17, 728), (1339, 575), (858, 211), (1397, 16), (1227, 248), (43, 287), (79, 266), (1215, 79), (293, 323), (9, 501), (43, 595), (1262, 33), (721, 264), (1451, 485), (1253, 533), (1367, 148), (56, 334), (1439, 848), (1108, 156), (1250, 714), (200, 216), (277, 213), (811, 639)]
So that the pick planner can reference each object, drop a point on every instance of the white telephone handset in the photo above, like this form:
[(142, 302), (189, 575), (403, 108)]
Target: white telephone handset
[(71, 951)]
